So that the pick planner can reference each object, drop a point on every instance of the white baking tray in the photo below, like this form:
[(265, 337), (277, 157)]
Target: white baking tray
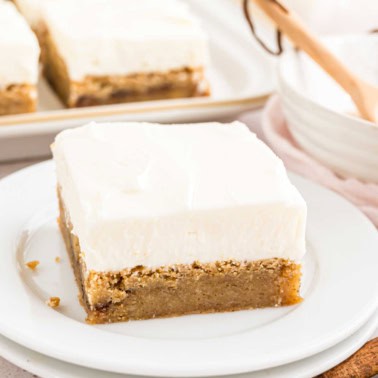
[(240, 76)]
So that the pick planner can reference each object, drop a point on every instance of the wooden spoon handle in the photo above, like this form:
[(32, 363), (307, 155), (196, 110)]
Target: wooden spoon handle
[(288, 23), (362, 364)]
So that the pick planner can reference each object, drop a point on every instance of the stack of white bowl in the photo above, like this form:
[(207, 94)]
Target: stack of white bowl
[(322, 118)]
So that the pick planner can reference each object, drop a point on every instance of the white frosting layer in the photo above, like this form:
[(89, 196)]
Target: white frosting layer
[(153, 195), (32, 10), (118, 37), (19, 50)]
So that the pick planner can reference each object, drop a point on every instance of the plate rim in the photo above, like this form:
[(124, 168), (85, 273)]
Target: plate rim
[(358, 338), (8, 122)]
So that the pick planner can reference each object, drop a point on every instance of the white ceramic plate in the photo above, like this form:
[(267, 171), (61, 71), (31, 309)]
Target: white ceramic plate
[(240, 75), (46, 367), (339, 286)]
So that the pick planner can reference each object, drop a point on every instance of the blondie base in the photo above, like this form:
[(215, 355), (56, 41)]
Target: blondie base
[(145, 293), (18, 98)]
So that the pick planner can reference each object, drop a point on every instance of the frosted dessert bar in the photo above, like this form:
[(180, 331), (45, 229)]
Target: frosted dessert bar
[(18, 62), (105, 52), (170, 220)]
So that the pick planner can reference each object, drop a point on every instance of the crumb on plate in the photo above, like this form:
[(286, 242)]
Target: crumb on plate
[(32, 264), (53, 302)]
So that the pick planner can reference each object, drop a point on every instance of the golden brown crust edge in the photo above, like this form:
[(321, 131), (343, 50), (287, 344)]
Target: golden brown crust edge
[(17, 99), (143, 293)]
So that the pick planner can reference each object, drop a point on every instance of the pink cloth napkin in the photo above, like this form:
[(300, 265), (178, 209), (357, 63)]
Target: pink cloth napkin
[(363, 195)]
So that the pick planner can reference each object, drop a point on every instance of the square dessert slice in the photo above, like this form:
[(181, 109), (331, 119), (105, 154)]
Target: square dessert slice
[(18, 62), (178, 219), (105, 52)]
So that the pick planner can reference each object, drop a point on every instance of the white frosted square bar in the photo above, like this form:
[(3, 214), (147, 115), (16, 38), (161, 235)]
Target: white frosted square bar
[(139, 197), (103, 52)]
